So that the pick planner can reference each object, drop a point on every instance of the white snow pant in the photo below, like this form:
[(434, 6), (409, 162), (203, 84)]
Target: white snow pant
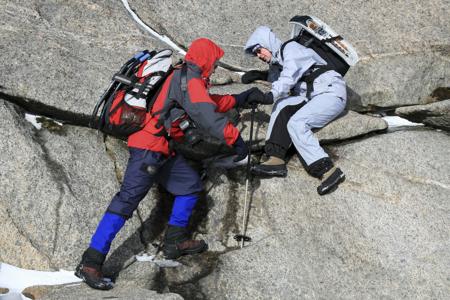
[(292, 120)]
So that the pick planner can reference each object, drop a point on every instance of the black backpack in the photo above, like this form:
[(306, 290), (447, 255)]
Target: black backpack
[(320, 46), (334, 61)]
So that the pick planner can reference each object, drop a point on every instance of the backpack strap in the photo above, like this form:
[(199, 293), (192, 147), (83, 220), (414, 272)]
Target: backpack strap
[(183, 79), (314, 72), (160, 84), (164, 111), (284, 45), (297, 40)]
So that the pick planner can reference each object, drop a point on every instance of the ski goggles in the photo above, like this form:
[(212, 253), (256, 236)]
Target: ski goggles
[(253, 50), (257, 49)]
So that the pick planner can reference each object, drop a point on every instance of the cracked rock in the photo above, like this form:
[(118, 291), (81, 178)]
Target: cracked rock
[(119, 292), (434, 114), (64, 54), (383, 233), (57, 186)]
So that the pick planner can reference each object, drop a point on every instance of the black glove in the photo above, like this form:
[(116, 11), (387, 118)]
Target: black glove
[(258, 97), (253, 75), (241, 99), (240, 148)]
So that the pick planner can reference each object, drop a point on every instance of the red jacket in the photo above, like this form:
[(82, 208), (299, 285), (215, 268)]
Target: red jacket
[(204, 109)]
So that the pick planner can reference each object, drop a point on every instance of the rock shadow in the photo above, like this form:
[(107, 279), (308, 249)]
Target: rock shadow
[(354, 101)]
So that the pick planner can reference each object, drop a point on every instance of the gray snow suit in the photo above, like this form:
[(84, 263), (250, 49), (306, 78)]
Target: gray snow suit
[(293, 114)]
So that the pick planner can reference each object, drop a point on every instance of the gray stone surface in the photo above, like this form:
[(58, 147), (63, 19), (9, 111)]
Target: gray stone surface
[(435, 114), (16, 247), (220, 195), (119, 292), (404, 47), (27, 187), (140, 274), (63, 54), (349, 125), (383, 234), (56, 185)]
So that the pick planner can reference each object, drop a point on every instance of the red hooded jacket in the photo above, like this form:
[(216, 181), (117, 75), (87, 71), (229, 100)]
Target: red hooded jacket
[(172, 101)]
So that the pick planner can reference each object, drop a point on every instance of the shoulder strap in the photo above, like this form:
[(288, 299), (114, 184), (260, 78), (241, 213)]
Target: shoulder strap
[(297, 40), (159, 85), (311, 76), (284, 45), (183, 85), (183, 79)]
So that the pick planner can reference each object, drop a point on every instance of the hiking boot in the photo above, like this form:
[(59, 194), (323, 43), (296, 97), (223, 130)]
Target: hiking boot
[(178, 243), (274, 166), (89, 269), (330, 181), (93, 277)]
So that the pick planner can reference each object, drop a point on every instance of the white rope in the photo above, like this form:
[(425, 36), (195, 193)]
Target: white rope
[(162, 38)]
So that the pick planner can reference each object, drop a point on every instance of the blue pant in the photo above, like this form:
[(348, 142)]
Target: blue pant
[(145, 168)]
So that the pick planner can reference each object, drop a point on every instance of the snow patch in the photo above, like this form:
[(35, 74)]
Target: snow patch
[(33, 120), (17, 279), (36, 120), (395, 121), (163, 263), (13, 296)]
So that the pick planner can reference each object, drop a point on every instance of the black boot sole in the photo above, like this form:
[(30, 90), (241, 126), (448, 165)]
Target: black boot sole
[(268, 173), (95, 284), (174, 253), (332, 186)]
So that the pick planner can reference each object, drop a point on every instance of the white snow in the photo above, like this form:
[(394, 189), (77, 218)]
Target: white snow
[(17, 279), (163, 263), (395, 121), (33, 120)]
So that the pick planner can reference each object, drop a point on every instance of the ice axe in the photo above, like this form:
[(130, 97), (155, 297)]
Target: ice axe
[(242, 237)]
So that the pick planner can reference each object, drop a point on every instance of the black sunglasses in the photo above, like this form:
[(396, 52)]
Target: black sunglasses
[(257, 50)]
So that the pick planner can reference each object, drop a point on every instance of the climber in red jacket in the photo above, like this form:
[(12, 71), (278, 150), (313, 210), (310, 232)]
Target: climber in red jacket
[(183, 98)]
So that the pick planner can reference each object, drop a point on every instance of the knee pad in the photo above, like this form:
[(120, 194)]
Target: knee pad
[(320, 167), (276, 150)]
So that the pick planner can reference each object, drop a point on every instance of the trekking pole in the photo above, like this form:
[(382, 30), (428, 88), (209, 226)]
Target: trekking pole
[(243, 237)]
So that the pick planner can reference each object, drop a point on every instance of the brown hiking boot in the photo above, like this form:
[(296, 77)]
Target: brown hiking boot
[(89, 269), (178, 243), (273, 167), (93, 277)]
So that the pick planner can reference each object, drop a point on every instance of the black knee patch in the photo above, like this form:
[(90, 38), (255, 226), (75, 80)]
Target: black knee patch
[(273, 149), (320, 167)]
